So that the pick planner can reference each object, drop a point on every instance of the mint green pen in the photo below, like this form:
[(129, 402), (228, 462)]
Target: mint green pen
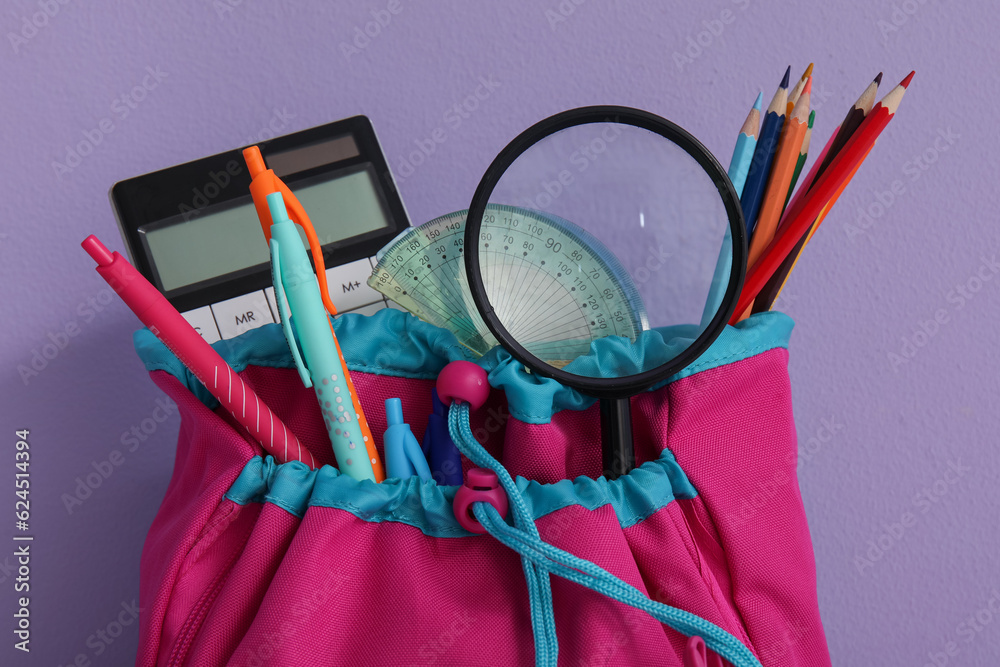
[(319, 362)]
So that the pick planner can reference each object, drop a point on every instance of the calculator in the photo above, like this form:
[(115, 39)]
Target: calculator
[(193, 232)]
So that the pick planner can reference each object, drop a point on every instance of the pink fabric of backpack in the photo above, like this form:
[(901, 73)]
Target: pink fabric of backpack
[(253, 563)]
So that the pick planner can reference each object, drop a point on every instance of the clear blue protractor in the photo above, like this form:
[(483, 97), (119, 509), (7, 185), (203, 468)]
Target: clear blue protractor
[(556, 287)]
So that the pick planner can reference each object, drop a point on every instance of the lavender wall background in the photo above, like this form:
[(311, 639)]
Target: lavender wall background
[(878, 433)]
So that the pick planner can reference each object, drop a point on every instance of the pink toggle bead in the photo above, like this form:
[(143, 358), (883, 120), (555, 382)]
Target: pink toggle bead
[(481, 486), (463, 381)]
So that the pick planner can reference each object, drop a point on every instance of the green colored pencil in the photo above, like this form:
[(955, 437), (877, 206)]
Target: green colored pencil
[(803, 153)]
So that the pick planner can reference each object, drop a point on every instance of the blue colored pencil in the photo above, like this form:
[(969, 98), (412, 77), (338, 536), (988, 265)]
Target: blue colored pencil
[(763, 155), (746, 142)]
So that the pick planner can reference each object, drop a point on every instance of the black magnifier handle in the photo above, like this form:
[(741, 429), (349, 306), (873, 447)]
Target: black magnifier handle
[(617, 451)]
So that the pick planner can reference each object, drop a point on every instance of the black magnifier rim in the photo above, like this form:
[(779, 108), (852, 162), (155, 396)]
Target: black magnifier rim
[(630, 384)]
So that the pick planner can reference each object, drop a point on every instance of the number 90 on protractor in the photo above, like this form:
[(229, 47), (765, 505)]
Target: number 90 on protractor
[(556, 286)]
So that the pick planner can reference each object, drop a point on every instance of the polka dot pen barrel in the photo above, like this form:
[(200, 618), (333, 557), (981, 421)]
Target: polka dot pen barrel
[(319, 360)]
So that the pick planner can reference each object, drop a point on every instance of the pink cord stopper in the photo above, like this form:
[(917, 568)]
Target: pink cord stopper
[(464, 382), (481, 486)]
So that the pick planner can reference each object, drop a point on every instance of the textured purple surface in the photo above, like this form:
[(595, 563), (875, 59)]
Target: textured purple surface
[(898, 451)]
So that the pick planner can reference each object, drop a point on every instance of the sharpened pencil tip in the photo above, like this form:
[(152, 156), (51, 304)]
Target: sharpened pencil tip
[(808, 72), (906, 82), (878, 79), (812, 117), (808, 87), (784, 80), (760, 101)]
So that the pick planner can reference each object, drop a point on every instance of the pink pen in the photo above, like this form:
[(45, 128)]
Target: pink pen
[(153, 309)]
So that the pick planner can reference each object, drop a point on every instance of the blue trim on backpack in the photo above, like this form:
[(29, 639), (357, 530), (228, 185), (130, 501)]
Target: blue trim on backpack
[(393, 342), (428, 507)]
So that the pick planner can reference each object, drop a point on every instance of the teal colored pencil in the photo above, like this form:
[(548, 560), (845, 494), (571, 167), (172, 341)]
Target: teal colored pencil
[(739, 167), (763, 156), (746, 142)]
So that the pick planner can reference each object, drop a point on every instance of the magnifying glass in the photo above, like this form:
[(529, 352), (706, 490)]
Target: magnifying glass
[(605, 248)]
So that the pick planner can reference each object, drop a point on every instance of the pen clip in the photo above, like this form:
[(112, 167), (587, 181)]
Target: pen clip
[(284, 315), (415, 456)]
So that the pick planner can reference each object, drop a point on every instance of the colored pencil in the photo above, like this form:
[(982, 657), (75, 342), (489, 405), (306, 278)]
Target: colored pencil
[(852, 121), (781, 175), (803, 155), (767, 144), (793, 95), (739, 165), (840, 137), (799, 194), (772, 290), (841, 167), (746, 142)]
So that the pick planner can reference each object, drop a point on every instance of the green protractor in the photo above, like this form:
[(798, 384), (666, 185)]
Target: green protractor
[(554, 286)]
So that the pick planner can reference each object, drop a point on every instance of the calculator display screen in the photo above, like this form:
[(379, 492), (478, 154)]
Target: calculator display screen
[(227, 239)]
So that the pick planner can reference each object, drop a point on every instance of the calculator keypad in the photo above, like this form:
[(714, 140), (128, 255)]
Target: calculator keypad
[(348, 289)]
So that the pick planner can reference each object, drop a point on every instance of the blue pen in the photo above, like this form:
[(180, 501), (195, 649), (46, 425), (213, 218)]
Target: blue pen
[(441, 452), (403, 457), (319, 362)]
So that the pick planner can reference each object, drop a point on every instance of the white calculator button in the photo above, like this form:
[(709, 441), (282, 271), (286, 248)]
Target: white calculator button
[(242, 314), (269, 292), (370, 309), (204, 323), (348, 285)]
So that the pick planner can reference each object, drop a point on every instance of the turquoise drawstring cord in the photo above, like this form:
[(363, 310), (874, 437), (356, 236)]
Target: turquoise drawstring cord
[(540, 558), (543, 620)]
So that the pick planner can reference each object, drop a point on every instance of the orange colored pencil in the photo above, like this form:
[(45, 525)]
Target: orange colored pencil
[(826, 185), (793, 96), (781, 175)]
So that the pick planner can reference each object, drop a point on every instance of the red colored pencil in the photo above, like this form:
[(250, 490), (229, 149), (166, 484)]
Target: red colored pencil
[(821, 192)]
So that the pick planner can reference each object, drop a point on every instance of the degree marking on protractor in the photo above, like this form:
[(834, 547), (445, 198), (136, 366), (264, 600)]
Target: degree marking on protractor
[(544, 306), (564, 239)]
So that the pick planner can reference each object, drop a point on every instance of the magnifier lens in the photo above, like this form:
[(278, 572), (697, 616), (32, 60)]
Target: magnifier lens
[(605, 250)]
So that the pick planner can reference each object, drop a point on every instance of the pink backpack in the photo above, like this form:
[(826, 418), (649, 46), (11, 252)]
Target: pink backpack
[(705, 543)]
